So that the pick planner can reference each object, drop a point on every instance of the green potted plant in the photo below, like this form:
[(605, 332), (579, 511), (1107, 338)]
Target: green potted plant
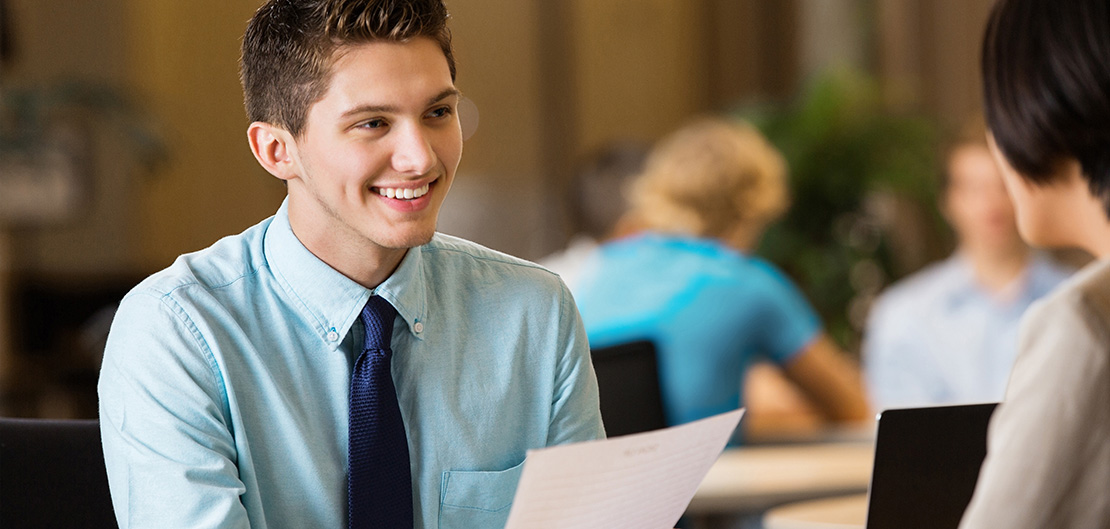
[(859, 176)]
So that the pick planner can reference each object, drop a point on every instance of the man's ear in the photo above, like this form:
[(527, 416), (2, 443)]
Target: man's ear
[(274, 148)]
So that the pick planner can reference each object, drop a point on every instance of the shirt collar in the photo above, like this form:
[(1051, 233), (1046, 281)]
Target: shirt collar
[(962, 287), (407, 290), (331, 300), (1040, 277)]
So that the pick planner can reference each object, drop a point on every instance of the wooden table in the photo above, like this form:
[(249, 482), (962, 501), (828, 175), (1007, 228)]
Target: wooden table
[(749, 480), (846, 512)]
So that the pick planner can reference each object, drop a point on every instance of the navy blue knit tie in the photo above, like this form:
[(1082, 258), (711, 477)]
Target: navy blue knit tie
[(380, 484)]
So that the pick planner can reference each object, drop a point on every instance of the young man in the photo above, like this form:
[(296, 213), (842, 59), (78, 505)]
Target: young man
[(948, 333), (227, 397)]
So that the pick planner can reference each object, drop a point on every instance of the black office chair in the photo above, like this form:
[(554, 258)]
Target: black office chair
[(628, 381), (52, 475)]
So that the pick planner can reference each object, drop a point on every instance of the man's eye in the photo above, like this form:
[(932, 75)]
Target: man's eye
[(374, 124), (440, 112)]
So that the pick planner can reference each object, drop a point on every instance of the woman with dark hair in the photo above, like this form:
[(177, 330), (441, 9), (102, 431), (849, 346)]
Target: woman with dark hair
[(1046, 83)]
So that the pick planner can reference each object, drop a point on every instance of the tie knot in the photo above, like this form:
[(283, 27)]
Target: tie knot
[(378, 316)]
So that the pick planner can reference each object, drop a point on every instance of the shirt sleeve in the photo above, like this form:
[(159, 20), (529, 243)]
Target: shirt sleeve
[(896, 366), (786, 322), (169, 452), (576, 415), (1047, 455)]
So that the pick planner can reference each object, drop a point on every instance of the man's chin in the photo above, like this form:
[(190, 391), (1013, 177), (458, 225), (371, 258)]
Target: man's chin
[(410, 240)]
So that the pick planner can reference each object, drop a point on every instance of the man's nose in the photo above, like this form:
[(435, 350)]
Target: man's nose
[(413, 153)]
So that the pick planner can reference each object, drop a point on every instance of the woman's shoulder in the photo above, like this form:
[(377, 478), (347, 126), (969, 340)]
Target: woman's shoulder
[(1083, 298)]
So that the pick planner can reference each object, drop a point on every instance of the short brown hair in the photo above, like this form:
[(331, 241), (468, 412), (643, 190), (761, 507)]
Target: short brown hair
[(290, 46), (972, 133), (711, 178)]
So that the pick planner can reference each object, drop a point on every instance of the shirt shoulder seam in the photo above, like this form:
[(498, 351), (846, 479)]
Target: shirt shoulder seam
[(170, 301)]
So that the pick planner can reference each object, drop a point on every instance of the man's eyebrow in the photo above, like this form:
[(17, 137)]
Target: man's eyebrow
[(370, 109), (444, 95), (390, 109)]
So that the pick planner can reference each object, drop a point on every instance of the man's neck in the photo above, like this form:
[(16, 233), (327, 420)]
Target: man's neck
[(376, 269), (363, 262), (995, 269)]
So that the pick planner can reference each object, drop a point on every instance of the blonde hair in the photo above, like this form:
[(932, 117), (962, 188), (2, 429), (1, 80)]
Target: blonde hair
[(711, 178)]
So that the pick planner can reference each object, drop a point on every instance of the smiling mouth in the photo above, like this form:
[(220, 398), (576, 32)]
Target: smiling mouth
[(400, 193)]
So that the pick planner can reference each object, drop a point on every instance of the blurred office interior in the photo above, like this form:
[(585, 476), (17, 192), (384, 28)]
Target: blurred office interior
[(122, 139)]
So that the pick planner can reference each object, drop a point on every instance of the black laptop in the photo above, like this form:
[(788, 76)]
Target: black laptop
[(926, 464)]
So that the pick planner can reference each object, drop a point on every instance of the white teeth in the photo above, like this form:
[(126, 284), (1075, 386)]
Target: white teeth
[(403, 193)]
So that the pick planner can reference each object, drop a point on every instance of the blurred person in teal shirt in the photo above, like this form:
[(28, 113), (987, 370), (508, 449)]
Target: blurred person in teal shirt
[(684, 279)]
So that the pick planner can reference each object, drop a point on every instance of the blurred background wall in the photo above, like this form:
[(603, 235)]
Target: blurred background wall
[(150, 100)]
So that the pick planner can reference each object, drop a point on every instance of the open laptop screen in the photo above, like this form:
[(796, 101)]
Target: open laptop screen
[(926, 465)]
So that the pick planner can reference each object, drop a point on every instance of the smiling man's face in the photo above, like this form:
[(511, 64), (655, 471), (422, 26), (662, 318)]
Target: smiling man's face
[(377, 154)]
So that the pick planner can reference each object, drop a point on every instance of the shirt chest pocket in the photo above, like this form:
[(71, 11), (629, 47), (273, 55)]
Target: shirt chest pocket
[(477, 499)]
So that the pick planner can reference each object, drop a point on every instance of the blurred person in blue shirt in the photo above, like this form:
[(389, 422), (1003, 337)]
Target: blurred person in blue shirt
[(685, 279), (226, 380), (948, 333)]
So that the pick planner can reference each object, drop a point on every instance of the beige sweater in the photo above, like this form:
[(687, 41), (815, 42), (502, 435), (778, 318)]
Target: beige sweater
[(1048, 447)]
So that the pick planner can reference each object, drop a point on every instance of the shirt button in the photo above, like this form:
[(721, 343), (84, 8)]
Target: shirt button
[(333, 336), (418, 327)]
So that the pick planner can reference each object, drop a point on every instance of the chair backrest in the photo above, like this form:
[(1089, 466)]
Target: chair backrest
[(628, 381), (52, 475)]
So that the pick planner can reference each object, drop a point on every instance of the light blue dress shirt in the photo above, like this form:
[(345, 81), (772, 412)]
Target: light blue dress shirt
[(223, 393), (938, 337), (710, 311)]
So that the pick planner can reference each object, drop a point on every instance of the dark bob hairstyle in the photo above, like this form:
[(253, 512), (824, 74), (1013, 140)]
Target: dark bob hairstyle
[(1046, 87)]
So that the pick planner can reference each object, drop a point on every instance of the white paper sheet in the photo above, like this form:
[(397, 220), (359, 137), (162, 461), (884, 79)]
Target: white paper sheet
[(641, 481)]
